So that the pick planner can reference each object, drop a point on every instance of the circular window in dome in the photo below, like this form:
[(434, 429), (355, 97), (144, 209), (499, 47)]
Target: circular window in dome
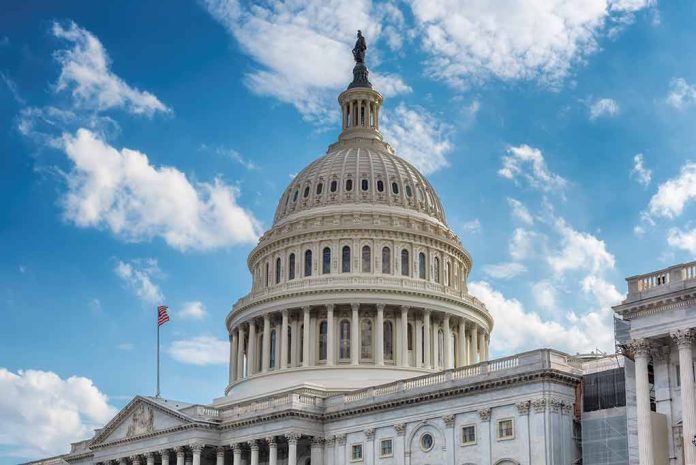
[(427, 442)]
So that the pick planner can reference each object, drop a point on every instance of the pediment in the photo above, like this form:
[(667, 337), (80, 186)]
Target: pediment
[(141, 417)]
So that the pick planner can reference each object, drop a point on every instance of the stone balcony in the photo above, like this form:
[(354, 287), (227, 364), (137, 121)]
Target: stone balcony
[(657, 283)]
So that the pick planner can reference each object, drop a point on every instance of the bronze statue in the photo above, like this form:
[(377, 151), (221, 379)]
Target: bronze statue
[(359, 49)]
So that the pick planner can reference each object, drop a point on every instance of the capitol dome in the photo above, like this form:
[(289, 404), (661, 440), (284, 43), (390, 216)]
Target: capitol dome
[(359, 281)]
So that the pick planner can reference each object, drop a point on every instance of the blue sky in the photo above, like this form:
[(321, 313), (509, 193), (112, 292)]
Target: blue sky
[(143, 149)]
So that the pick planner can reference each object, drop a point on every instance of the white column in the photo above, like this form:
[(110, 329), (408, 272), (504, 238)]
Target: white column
[(449, 352), (641, 348), (180, 455), (355, 335), (474, 345), (272, 450), (219, 457), (379, 332), (251, 353), (294, 336), (284, 340), (486, 345), (426, 344), (164, 453), (317, 451), (419, 342), (266, 344), (292, 448), (135, 460), (330, 335), (404, 332), (150, 458), (684, 340), (253, 445), (233, 356), (399, 444), (240, 352), (196, 449), (436, 345), (329, 447), (462, 343), (305, 337), (236, 454)]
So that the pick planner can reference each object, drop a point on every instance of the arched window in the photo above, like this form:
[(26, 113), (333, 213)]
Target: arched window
[(366, 339), (320, 187), (268, 278), (308, 263), (380, 186), (395, 188), (273, 349), (344, 339), (326, 261), (306, 192), (349, 185), (345, 259), (291, 266), (333, 186), (294, 196), (386, 260), (364, 184), (277, 270), (436, 270), (421, 265), (405, 271), (409, 192), (323, 335), (366, 259), (388, 340), (440, 348)]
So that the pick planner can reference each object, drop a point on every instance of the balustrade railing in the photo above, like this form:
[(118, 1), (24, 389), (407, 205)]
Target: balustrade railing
[(661, 281)]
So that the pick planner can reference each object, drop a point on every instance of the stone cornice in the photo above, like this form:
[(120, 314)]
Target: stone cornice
[(657, 304)]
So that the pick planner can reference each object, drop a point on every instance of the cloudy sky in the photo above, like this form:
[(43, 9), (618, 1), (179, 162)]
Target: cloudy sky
[(142, 148)]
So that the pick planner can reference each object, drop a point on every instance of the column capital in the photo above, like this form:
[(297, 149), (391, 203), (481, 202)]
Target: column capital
[(271, 440), (370, 434), (180, 451), (555, 404), (354, 306), (135, 459), (284, 312), (292, 438), (330, 441), (523, 407), (341, 439), (317, 442), (196, 447), (404, 308), (400, 429), (380, 307), (236, 447), (306, 308), (253, 445), (684, 338), (123, 461), (149, 455), (163, 452), (330, 307), (449, 421), (485, 414), (427, 311), (641, 347), (220, 451), (539, 405)]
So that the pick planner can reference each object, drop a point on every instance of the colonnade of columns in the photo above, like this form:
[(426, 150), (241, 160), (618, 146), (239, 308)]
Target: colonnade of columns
[(355, 334), (643, 350), (360, 112)]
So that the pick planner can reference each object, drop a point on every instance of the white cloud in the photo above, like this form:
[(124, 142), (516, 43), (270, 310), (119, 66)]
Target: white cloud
[(471, 226), (579, 251), (673, 195), (528, 163), (517, 329), (389, 85), (474, 40), (193, 310), (303, 48), (120, 190), (506, 270), (43, 413), (524, 244), (201, 350), (639, 172), (685, 240), (418, 137), (520, 211), (139, 275), (681, 93), (544, 294), (86, 73), (603, 107)]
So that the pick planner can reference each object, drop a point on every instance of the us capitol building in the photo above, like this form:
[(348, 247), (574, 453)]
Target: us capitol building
[(359, 343)]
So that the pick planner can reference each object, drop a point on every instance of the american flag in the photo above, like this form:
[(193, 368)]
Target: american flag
[(162, 315)]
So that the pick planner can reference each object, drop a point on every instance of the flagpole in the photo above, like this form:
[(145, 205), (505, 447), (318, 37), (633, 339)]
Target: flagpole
[(158, 356)]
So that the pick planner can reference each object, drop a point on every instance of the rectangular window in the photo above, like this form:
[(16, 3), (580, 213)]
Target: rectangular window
[(356, 452), (468, 435), (386, 448), (505, 429)]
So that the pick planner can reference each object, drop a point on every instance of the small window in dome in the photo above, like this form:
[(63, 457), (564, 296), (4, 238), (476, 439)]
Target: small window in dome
[(409, 192), (334, 186), (380, 186), (294, 197), (364, 184), (320, 187), (306, 192), (349, 185), (395, 188)]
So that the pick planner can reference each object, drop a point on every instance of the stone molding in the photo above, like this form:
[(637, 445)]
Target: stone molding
[(370, 434), (271, 440), (641, 347), (317, 442), (253, 444), (555, 404), (330, 441), (485, 414), (400, 429), (684, 338), (523, 407), (449, 421), (341, 439), (539, 405), (292, 437)]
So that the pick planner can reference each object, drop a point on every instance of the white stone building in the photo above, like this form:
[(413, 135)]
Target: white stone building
[(359, 342)]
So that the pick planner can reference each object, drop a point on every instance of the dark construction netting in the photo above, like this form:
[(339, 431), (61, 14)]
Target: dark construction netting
[(604, 390)]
